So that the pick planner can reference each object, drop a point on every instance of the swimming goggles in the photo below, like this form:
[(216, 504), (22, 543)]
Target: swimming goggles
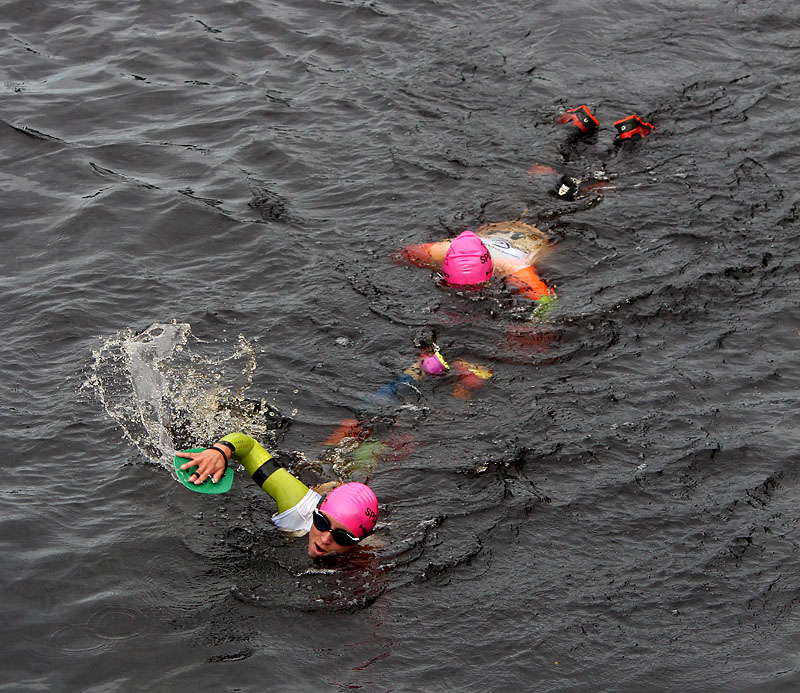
[(340, 536)]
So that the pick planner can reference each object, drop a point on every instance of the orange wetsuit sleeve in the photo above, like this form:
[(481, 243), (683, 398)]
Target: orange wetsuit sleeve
[(527, 282), (424, 254)]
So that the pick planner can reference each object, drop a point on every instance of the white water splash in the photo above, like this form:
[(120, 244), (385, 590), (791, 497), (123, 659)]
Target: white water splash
[(165, 389)]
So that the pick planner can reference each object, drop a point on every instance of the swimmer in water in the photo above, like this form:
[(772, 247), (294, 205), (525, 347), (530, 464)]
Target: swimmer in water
[(582, 128), (340, 520), (356, 446), (506, 250), (336, 522), (468, 376)]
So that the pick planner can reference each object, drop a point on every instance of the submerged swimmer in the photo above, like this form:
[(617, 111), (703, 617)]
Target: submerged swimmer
[(468, 376), (336, 522), (506, 250), (582, 129), (357, 444)]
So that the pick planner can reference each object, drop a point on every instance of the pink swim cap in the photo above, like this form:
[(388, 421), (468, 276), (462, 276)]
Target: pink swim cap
[(467, 261), (434, 364), (354, 505)]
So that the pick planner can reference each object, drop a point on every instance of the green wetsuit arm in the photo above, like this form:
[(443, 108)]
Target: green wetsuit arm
[(287, 490)]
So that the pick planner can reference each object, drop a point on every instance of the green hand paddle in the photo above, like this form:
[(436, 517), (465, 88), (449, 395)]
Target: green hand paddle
[(208, 486)]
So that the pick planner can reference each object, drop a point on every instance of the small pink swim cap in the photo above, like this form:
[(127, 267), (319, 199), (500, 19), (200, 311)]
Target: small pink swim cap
[(467, 261), (354, 505), (434, 364)]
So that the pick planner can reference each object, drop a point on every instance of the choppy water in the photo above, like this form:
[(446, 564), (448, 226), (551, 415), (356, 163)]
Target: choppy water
[(615, 511)]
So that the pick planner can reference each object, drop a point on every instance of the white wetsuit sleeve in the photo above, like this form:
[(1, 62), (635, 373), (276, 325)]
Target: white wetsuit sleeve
[(298, 517)]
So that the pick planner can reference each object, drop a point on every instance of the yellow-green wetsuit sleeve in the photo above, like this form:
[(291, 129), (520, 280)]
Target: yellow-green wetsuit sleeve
[(276, 481)]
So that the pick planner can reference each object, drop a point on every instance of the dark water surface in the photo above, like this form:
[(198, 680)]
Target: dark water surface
[(616, 510)]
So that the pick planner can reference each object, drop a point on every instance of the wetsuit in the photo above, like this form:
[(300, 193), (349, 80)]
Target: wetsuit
[(295, 500), (513, 247)]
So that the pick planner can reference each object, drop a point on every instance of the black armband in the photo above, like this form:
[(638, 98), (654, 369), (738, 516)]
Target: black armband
[(228, 445), (263, 473)]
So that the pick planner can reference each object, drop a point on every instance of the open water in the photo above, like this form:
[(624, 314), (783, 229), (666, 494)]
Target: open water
[(200, 206)]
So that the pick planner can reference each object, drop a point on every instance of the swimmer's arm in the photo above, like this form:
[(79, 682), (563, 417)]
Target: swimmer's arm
[(424, 254), (276, 481), (287, 490)]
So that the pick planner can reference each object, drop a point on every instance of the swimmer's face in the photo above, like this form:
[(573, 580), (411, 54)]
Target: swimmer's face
[(322, 543)]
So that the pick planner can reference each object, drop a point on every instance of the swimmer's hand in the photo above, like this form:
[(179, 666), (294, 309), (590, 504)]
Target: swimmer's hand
[(209, 463)]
